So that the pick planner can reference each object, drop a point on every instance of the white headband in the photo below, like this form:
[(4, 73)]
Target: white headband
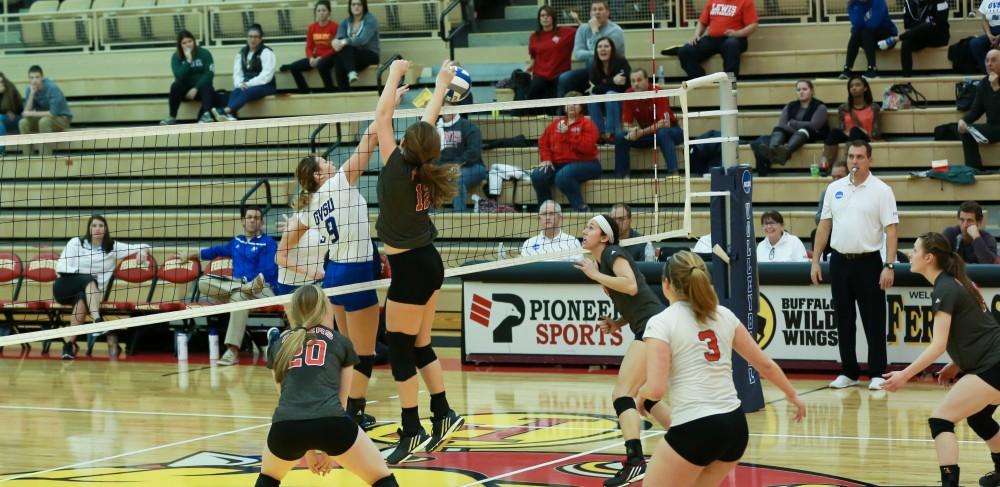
[(605, 226)]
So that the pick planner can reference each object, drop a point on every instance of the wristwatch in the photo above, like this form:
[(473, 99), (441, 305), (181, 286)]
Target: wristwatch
[(889, 265)]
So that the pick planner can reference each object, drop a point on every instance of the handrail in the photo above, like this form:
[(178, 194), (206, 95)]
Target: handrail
[(336, 143), (451, 35), (382, 69), (267, 191)]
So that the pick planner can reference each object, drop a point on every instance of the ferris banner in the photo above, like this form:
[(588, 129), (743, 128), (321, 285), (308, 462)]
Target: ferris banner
[(558, 323)]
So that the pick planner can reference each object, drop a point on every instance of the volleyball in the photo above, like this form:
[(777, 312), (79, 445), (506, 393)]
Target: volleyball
[(460, 85)]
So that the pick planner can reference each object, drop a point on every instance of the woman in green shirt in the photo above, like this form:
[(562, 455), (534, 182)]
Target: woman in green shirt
[(194, 71)]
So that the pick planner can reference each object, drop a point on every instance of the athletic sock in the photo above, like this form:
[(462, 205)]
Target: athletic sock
[(355, 405), (411, 421), (439, 405), (949, 475), (996, 461), (633, 449), (266, 481)]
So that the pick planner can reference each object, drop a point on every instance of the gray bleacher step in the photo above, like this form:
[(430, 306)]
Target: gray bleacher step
[(521, 12), (494, 39), (506, 25)]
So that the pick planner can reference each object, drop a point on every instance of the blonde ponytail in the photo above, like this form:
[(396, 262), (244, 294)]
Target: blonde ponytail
[(690, 281), (305, 175), (306, 310)]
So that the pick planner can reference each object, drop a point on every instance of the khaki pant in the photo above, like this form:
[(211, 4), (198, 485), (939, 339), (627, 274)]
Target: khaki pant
[(43, 125), (226, 290)]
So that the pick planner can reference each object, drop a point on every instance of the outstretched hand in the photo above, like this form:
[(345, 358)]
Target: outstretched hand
[(446, 74), (399, 66), (402, 90)]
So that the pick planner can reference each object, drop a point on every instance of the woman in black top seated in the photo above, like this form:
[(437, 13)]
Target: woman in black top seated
[(409, 185), (967, 331), (313, 366), (803, 120)]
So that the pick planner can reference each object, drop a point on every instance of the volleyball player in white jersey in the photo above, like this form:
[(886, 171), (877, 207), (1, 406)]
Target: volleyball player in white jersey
[(340, 213), (692, 343), (300, 259), (614, 269)]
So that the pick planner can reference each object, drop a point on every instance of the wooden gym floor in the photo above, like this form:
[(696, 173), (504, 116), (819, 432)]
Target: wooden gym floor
[(149, 423)]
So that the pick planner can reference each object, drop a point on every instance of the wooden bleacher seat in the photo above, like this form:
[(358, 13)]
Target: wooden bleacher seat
[(36, 25), (128, 194)]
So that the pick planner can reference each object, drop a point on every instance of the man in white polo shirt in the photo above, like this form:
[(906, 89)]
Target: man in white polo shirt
[(861, 211), (552, 238)]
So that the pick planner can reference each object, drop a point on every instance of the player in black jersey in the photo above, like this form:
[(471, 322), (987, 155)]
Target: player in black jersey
[(967, 331), (409, 185), (615, 270), (313, 367)]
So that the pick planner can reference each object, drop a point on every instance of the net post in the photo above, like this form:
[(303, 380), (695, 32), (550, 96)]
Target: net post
[(729, 122)]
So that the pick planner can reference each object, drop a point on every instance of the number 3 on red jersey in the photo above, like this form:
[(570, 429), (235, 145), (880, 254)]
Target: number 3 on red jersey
[(423, 197), (708, 338)]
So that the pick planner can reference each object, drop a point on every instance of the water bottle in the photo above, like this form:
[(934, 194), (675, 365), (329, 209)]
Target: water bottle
[(182, 347), (213, 344), (475, 203), (501, 252), (659, 74)]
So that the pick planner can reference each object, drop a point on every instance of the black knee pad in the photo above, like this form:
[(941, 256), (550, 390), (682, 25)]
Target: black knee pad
[(365, 364), (423, 356), (266, 481), (623, 404), (401, 355), (649, 404), (939, 426), (983, 423), (389, 481)]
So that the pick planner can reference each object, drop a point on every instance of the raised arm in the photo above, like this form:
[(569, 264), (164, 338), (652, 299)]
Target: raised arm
[(293, 233), (444, 77), (623, 281), (386, 107)]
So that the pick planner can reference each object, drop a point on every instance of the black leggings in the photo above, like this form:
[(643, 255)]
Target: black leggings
[(179, 89), (917, 38), (290, 440), (866, 39), (324, 67), (349, 59)]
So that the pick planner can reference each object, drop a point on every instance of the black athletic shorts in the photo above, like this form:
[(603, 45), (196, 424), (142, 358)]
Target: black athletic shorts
[(719, 437), (991, 376), (69, 289), (290, 440), (416, 274), (639, 333)]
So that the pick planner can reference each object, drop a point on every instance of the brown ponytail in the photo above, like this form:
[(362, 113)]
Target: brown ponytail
[(305, 175), (306, 310), (421, 148), (690, 280), (948, 261)]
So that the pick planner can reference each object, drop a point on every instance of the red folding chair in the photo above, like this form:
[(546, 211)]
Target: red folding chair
[(11, 276), (33, 310)]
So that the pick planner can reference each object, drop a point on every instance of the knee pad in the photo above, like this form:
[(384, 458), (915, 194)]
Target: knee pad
[(264, 480), (939, 426), (365, 364), (401, 355), (649, 404), (983, 423), (623, 404), (389, 481), (423, 356)]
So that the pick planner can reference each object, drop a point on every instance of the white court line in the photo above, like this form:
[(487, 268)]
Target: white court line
[(558, 460), (136, 452)]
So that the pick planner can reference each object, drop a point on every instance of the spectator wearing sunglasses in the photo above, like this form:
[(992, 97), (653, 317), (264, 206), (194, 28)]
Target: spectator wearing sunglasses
[(777, 244)]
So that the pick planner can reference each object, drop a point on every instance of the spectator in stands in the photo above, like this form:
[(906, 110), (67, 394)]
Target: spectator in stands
[(723, 28), (801, 121), (357, 44), (462, 145), (990, 13), (621, 213), (643, 120), (925, 24), (839, 170), (552, 238), (253, 75), (609, 73), (11, 106), (194, 73), (45, 108), (858, 120), (777, 244), (255, 274), (85, 267), (969, 239), (987, 102), (319, 50), (585, 43), (551, 49), (568, 152), (870, 23)]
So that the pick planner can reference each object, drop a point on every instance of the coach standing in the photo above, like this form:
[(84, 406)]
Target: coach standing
[(862, 211)]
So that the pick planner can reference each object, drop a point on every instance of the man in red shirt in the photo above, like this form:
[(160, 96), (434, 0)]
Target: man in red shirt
[(642, 120), (723, 28)]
